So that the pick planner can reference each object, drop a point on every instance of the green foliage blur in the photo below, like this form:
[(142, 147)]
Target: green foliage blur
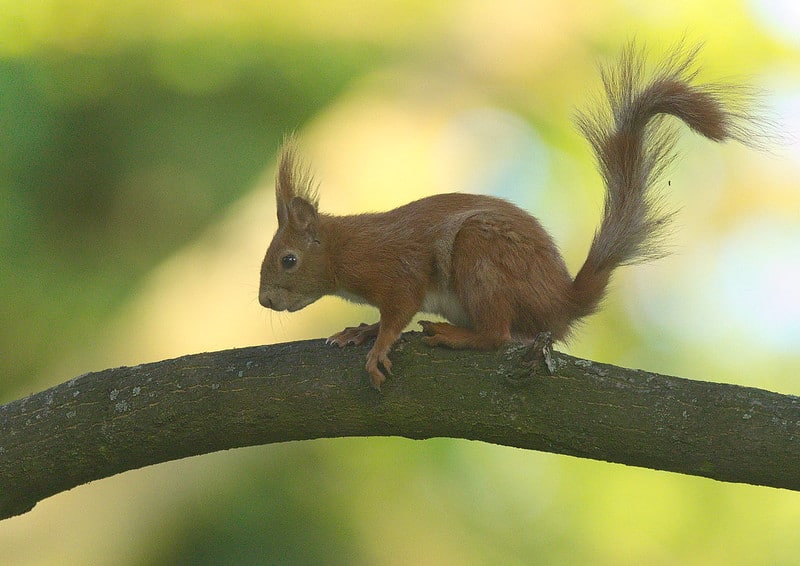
[(130, 130), (116, 154)]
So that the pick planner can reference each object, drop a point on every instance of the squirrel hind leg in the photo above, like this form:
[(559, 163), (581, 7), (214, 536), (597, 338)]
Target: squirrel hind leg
[(460, 338)]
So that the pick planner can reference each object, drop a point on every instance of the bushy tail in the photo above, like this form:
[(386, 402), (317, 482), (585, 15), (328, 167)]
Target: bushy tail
[(633, 146)]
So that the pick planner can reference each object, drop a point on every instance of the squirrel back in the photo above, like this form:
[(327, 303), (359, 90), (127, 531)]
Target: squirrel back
[(633, 147)]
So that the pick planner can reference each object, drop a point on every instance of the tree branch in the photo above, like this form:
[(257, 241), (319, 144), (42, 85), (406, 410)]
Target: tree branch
[(107, 422)]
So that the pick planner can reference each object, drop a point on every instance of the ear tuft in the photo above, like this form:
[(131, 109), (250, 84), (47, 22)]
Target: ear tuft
[(293, 180)]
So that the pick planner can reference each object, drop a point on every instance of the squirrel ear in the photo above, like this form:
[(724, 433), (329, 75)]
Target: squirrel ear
[(295, 194), (302, 216), (283, 212)]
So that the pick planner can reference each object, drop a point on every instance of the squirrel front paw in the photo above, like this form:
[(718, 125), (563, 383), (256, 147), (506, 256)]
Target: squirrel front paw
[(374, 360), (354, 335)]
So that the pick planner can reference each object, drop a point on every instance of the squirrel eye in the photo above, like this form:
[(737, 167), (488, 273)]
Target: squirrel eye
[(288, 261)]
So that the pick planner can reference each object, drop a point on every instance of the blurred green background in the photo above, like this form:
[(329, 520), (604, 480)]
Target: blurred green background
[(138, 141)]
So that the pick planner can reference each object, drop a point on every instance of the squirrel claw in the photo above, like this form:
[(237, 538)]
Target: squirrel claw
[(376, 377)]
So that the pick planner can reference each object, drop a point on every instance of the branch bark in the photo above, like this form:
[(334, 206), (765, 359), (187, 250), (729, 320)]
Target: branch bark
[(111, 421)]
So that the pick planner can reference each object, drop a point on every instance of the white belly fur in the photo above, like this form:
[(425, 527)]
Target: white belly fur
[(442, 303), (445, 304)]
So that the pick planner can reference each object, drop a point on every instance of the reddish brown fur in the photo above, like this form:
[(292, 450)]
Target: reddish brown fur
[(480, 262)]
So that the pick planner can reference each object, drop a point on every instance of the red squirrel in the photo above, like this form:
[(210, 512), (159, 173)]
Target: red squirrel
[(482, 263)]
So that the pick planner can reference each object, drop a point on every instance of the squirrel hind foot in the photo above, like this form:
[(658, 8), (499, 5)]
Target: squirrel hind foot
[(460, 338)]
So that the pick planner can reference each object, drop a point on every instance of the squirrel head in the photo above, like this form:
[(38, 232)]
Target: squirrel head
[(293, 270)]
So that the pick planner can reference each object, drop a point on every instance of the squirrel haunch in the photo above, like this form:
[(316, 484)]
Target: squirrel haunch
[(482, 263)]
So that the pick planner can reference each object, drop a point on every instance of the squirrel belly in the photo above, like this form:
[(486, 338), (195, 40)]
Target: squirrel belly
[(483, 264), (446, 304), (440, 302)]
